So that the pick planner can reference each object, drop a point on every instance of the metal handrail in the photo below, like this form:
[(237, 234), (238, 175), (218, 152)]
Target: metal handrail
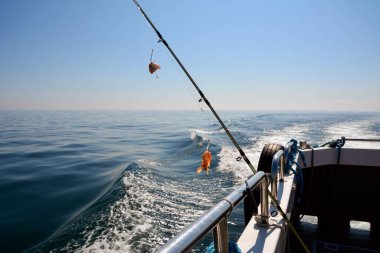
[(215, 218), (359, 139)]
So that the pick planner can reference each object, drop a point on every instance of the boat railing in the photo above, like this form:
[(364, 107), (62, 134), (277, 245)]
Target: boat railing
[(215, 219), (362, 139)]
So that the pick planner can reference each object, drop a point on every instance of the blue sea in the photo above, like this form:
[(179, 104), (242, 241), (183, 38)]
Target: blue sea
[(125, 181)]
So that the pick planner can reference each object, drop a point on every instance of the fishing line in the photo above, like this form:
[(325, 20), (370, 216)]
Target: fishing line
[(204, 99), (274, 201), (151, 55), (185, 82), (192, 93)]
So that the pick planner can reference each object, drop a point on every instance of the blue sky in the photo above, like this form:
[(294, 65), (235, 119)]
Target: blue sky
[(92, 54)]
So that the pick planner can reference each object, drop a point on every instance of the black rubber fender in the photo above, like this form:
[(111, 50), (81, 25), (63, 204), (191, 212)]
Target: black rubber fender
[(265, 161)]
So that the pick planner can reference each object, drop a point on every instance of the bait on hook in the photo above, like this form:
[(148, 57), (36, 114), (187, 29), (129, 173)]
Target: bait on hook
[(153, 67)]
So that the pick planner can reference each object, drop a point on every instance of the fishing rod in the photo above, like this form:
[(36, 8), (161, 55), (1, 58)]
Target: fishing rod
[(203, 98)]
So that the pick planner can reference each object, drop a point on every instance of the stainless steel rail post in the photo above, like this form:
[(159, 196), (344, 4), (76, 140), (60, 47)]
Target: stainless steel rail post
[(263, 217), (274, 186), (282, 166), (220, 233)]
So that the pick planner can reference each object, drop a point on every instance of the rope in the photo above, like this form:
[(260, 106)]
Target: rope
[(231, 204), (338, 143), (291, 160)]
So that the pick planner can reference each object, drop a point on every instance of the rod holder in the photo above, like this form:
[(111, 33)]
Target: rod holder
[(274, 187), (220, 233), (263, 218)]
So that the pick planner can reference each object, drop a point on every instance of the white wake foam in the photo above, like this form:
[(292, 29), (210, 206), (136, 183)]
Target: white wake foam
[(152, 210), (241, 170), (354, 129)]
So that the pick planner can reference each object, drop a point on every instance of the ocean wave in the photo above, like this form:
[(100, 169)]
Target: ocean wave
[(150, 210), (201, 135)]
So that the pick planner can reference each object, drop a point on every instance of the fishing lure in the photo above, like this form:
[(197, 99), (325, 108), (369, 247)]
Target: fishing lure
[(206, 161), (153, 67)]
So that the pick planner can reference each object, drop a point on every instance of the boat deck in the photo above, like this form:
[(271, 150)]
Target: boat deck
[(270, 237), (358, 239), (340, 190)]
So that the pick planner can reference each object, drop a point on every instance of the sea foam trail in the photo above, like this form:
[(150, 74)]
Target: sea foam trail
[(154, 206), (151, 210), (240, 169)]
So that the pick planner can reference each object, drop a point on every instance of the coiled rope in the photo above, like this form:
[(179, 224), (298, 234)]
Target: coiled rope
[(338, 143), (291, 162)]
